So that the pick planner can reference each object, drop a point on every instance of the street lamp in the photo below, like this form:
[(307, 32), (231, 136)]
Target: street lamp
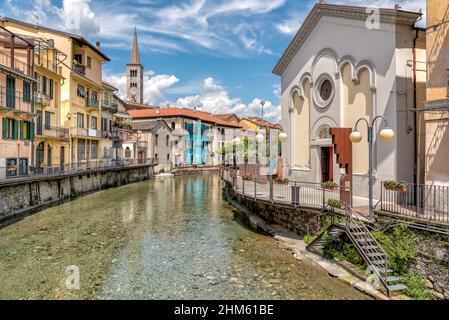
[(235, 142), (386, 134)]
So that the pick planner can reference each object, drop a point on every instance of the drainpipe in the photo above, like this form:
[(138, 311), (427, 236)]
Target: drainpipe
[(415, 104)]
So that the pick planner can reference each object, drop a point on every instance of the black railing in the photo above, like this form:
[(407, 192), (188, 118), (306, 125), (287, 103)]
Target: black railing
[(292, 193), (16, 64), (417, 201), (13, 174)]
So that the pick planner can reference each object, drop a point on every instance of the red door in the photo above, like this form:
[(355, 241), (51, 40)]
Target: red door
[(326, 164)]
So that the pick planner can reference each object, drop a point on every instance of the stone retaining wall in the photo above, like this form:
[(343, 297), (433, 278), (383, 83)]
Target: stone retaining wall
[(300, 220), (22, 197)]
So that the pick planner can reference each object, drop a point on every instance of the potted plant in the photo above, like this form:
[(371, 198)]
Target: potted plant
[(393, 185), (330, 185), (281, 180), (337, 204)]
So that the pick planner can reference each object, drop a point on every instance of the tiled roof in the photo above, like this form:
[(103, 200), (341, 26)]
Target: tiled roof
[(183, 113), (264, 123)]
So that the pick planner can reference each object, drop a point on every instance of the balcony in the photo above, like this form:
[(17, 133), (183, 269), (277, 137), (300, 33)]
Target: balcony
[(15, 65), (106, 134), (54, 132), (85, 132), (91, 104), (42, 100), (81, 69), (12, 101), (114, 107)]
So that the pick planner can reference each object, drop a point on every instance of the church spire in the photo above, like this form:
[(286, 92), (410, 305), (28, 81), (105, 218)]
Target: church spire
[(135, 56)]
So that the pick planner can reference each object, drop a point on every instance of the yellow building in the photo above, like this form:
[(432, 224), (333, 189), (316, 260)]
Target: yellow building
[(108, 108), (17, 110), (437, 106), (52, 143), (80, 109)]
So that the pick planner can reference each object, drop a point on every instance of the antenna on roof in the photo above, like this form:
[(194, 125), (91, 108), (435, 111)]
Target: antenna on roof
[(37, 20)]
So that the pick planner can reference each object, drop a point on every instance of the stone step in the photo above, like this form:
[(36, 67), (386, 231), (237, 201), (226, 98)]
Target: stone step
[(393, 279), (378, 262), (376, 254), (369, 247), (357, 234), (397, 287)]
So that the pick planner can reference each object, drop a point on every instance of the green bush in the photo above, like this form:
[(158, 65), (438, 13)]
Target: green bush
[(308, 238), (400, 248), (416, 287), (334, 203), (329, 185), (341, 249)]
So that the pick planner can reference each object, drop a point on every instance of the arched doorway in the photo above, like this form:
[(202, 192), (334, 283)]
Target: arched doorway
[(40, 157)]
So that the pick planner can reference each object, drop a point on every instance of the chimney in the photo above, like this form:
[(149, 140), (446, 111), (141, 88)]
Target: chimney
[(97, 44)]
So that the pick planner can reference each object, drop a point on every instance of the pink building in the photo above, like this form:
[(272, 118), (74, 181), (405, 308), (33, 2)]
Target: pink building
[(17, 111)]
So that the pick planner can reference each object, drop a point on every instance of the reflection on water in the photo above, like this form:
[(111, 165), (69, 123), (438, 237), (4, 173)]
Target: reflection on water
[(172, 239)]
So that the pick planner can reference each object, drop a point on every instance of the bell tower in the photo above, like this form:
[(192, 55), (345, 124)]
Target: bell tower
[(134, 74)]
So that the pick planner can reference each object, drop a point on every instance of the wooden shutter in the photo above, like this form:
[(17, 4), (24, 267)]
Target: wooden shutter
[(21, 130), (5, 128), (15, 129), (32, 128)]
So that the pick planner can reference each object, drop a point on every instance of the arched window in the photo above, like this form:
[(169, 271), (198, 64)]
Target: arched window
[(127, 152), (323, 132)]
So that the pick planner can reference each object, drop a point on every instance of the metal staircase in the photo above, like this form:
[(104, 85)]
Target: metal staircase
[(366, 245)]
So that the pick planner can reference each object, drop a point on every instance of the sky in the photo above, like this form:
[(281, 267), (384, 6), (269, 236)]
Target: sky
[(215, 55)]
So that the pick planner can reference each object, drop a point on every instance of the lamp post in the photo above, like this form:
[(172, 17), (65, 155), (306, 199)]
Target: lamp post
[(385, 134), (235, 142)]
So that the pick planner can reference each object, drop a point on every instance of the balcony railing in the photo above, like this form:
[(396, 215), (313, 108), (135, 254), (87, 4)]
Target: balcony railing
[(54, 132), (106, 134), (42, 171), (85, 132), (91, 103), (79, 68), (16, 65), (105, 104), (42, 99), (13, 100)]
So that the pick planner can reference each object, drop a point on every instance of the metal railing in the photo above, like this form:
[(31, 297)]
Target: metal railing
[(43, 171), (16, 65), (92, 103), (79, 68), (53, 132), (13, 100), (417, 201), (292, 193), (85, 132)]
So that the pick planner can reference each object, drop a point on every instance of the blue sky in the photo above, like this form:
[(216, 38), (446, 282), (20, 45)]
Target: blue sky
[(216, 55)]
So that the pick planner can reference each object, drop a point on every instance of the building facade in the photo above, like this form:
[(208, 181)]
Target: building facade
[(328, 81), (436, 114), (17, 105)]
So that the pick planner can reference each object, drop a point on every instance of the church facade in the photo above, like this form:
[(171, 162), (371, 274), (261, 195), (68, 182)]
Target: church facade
[(338, 69)]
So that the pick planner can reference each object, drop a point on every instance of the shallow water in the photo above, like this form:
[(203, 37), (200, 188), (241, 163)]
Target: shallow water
[(169, 239)]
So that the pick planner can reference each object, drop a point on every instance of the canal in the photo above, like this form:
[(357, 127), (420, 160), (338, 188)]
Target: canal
[(163, 239)]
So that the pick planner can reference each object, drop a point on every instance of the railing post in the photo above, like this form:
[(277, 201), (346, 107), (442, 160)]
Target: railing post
[(243, 187), (323, 190), (271, 191), (255, 189)]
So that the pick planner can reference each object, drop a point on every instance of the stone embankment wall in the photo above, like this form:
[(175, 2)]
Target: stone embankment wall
[(18, 198), (300, 220), (433, 263)]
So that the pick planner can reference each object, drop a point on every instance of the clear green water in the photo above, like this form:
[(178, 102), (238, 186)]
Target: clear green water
[(170, 239)]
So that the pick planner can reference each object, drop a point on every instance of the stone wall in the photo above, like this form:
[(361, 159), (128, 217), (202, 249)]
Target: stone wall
[(22, 197), (299, 220), (433, 263)]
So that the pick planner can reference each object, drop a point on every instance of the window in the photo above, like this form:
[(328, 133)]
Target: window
[(26, 91), (110, 125), (81, 149), (26, 130), (133, 73), (47, 120), (39, 122), (326, 90), (80, 120), (49, 163), (94, 123), (80, 91), (44, 85), (155, 156), (11, 167), (10, 129), (38, 84), (87, 121), (10, 92), (23, 166), (167, 140), (127, 152), (94, 150), (168, 156), (89, 62), (78, 58), (94, 96), (173, 125), (156, 138), (104, 126), (323, 133), (52, 88)]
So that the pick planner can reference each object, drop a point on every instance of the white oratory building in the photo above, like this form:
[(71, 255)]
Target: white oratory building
[(342, 66)]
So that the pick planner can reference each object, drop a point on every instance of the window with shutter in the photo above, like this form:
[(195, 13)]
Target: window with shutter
[(52, 85)]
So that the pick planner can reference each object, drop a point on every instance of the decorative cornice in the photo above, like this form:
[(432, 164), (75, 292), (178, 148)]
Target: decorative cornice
[(391, 16)]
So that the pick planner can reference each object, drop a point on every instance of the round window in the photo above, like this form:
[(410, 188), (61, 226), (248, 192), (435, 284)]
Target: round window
[(326, 90)]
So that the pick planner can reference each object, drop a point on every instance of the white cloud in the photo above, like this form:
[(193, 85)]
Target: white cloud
[(154, 86), (216, 99)]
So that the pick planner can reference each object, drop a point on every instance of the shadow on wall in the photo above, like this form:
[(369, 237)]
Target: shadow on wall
[(437, 153)]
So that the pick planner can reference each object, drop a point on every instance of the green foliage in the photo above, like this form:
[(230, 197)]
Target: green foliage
[(400, 248), (341, 249), (334, 203), (416, 287), (308, 238), (329, 185), (396, 185), (281, 180)]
